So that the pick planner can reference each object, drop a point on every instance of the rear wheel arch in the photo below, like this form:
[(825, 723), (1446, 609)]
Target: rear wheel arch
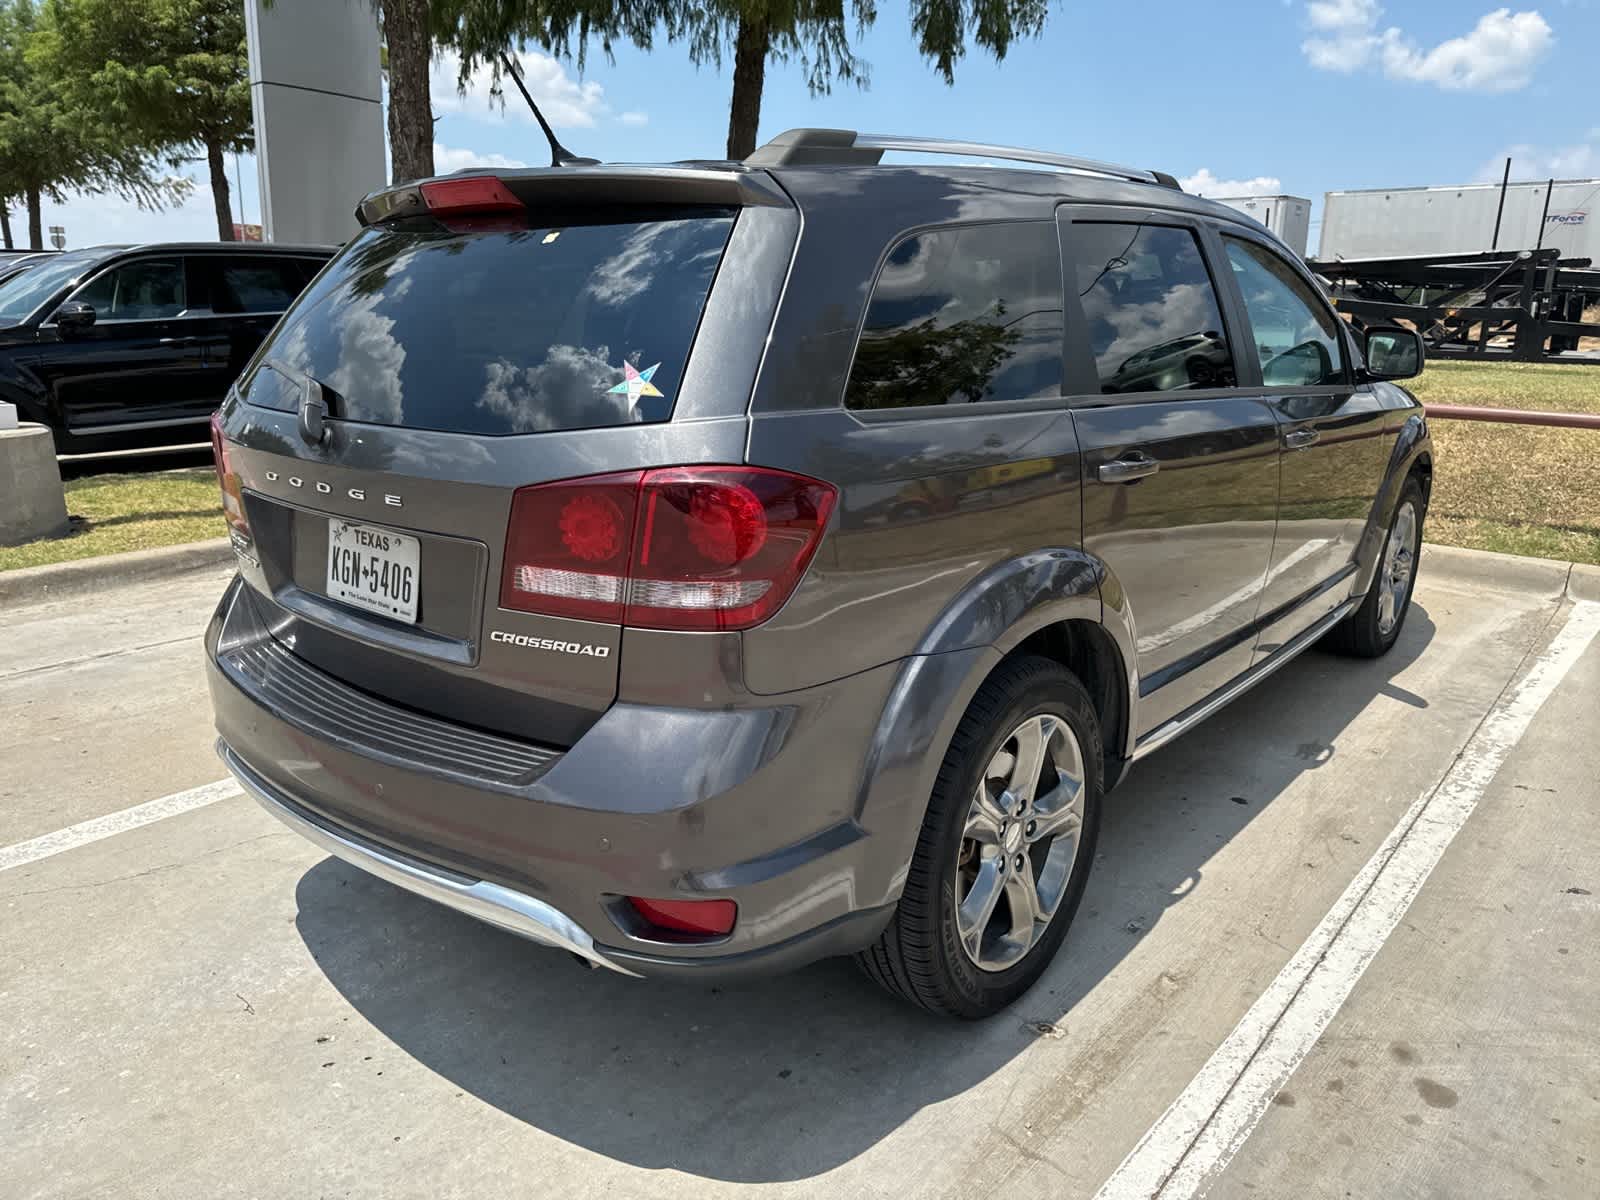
[(1062, 604), (1087, 649)]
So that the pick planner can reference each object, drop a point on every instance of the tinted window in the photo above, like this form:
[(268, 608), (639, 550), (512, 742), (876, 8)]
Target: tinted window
[(962, 315), (1153, 319), (1296, 337), (150, 289), (498, 331), (254, 285)]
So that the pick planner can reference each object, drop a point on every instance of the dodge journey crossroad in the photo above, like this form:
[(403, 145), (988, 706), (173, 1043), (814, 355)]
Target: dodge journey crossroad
[(709, 567)]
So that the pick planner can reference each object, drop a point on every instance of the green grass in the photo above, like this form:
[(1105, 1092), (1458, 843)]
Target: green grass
[(1515, 489), (129, 512)]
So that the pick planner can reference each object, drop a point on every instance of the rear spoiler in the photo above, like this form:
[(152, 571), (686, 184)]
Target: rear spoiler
[(600, 186)]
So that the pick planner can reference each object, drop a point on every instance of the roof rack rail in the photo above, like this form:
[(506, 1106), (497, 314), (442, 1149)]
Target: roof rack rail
[(842, 147)]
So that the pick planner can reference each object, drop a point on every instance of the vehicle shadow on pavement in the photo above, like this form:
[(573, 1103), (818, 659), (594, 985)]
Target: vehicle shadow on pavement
[(786, 1078)]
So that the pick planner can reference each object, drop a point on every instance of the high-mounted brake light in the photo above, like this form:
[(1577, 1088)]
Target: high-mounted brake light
[(674, 548), (228, 481), (473, 194)]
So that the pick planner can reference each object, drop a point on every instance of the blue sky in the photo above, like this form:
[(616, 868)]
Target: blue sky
[(1276, 95)]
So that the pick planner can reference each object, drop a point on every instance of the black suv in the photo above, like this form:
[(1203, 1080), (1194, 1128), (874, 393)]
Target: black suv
[(709, 567), (116, 346)]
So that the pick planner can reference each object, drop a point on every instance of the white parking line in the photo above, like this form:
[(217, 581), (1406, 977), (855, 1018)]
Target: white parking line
[(1184, 1152), (85, 832)]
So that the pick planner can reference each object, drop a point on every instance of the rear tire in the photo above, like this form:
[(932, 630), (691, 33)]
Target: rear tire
[(1000, 865), (1373, 629)]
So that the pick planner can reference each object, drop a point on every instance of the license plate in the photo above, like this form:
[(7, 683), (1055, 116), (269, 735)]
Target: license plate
[(374, 568)]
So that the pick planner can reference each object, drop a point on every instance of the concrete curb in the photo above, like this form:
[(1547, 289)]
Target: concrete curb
[(58, 581), (1543, 577), (1584, 583)]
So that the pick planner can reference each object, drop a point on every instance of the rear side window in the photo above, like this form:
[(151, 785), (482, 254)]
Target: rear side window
[(256, 284), (963, 315), (1296, 337), (1153, 319), (500, 330)]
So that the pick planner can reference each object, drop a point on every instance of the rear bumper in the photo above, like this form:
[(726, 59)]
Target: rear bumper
[(489, 902), (755, 804)]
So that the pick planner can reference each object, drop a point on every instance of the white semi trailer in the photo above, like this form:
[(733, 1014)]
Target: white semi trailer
[(1287, 216), (1406, 222)]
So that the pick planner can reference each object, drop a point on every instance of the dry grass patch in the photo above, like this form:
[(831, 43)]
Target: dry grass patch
[(1518, 489)]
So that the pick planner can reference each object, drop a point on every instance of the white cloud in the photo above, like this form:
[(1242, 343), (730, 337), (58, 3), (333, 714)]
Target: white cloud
[(1204, 183), (1578, 161), (1342, 14), (451, 158), (566, 102), (1346, 34), (635, 118), (1498, 55)]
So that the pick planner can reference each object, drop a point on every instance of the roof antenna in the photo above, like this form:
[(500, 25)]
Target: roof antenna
[(560, 156)]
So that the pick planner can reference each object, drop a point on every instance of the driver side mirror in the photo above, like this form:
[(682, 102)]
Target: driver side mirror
[(74, 317), (1393, 353)]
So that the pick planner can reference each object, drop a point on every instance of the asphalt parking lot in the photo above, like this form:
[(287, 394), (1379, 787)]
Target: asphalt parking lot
[(1340, 942)]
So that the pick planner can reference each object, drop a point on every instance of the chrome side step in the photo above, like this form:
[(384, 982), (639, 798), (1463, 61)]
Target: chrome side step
[(488, 902), (1185, 721)]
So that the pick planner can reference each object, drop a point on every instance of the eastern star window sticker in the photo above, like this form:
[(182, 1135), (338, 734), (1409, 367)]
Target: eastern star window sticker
[(636, 384)]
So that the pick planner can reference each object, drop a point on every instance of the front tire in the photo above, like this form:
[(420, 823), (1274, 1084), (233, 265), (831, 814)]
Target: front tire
[(1372, 630), (1005, 849)]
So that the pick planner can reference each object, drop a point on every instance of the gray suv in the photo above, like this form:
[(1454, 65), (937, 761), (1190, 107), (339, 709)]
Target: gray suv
[(706, 568)]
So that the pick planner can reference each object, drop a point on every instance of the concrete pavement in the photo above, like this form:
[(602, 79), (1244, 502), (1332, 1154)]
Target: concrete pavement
[(204, 1005)]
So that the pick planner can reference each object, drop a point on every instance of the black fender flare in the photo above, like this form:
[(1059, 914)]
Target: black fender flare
[(992, 616)]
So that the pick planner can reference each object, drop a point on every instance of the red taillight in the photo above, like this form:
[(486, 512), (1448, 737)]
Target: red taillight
[(672, 548), (567, 547), (474, 194), (704, 917), (232, 499)]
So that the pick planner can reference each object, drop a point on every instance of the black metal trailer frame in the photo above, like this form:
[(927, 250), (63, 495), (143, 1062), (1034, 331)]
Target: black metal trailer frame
[(1506, 305)]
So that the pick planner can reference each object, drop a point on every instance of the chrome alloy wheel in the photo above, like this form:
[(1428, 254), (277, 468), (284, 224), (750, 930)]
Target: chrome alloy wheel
[(1019, 842), (1399, 561)]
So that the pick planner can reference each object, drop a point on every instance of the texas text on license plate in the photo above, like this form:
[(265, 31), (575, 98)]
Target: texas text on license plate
[(374, 568)]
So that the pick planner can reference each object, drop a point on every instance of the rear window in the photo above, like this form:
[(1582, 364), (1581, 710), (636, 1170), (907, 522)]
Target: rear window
[(500, 331)]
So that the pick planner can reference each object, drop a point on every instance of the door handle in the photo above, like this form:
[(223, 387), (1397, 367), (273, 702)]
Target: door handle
[(179, 341), (1128, 468), (1299, 439)]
